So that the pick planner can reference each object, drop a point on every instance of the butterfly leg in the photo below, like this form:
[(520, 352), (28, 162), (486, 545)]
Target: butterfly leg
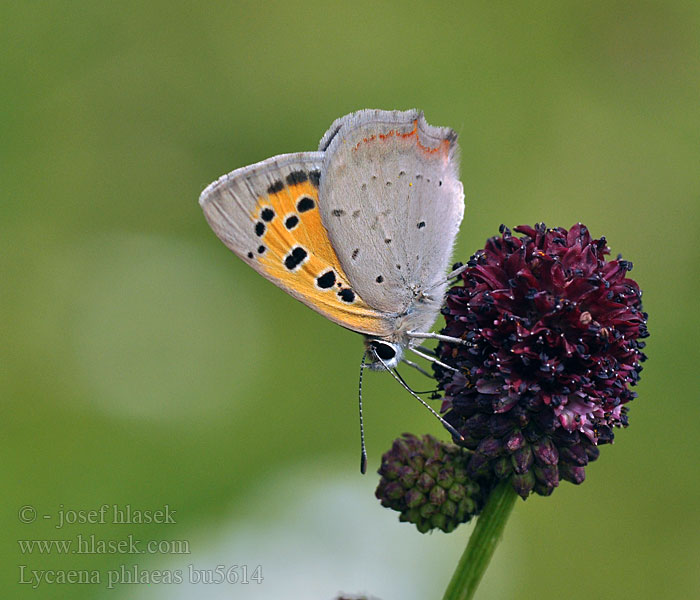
[(437, 336), (431, 359), (403, 384), (417, 367), (450, 276), (458, 271)]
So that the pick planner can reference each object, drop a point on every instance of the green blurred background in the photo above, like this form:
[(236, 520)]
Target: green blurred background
[(143, 364)]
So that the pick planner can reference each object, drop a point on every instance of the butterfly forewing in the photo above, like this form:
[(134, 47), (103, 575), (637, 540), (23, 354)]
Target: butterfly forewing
[(268, 214)]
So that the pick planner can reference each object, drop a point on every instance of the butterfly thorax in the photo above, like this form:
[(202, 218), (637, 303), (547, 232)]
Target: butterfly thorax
[(419, 316)]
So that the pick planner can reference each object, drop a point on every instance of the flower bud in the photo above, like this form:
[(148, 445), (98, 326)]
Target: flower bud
[(433, 492)]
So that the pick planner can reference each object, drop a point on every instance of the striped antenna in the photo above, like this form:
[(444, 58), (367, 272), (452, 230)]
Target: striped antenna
[(363, 457)]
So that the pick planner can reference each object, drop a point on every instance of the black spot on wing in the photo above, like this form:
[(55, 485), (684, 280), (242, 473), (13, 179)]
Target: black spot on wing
[(297, 177), (277, 186), (305, 203), (259, 228), (291, 222), (250, 255), (267, 214), (347, 295), (338, 212), (295, 258), (379, 279), (355, 252), (261, 249), (421, 225), (325, 281), (315, 177)]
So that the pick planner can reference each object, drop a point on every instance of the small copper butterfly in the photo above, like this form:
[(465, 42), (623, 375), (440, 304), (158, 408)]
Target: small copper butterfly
[(361, 230)]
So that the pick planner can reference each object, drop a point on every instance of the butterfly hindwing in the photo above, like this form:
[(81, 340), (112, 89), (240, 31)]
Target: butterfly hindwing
[(392, 203), (268, 214)]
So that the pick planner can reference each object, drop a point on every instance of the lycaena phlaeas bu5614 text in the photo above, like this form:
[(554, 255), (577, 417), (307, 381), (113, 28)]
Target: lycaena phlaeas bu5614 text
[(361, 230)]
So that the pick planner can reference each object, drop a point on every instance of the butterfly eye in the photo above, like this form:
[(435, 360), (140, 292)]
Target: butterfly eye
[(383, 350)]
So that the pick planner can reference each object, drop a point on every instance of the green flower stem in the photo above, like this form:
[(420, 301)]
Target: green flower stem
[(482, 543)]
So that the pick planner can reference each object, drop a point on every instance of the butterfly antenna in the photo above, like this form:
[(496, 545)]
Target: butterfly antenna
[(445, 424), (363, 457)]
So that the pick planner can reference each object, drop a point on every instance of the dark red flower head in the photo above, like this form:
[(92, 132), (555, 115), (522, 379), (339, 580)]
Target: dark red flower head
[(555, 333)]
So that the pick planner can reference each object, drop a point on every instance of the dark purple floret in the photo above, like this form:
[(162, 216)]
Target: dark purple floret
[(555, 332)]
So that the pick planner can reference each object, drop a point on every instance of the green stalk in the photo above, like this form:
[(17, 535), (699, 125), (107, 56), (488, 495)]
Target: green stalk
[(482, 543)]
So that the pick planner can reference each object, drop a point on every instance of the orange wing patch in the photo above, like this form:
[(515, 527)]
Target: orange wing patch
[(295, 251), (444, 146)]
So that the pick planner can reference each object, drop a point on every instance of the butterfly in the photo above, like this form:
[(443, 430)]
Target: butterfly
[(361, 230)]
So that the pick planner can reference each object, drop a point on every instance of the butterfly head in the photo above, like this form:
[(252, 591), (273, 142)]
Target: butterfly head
[(390, 354)]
